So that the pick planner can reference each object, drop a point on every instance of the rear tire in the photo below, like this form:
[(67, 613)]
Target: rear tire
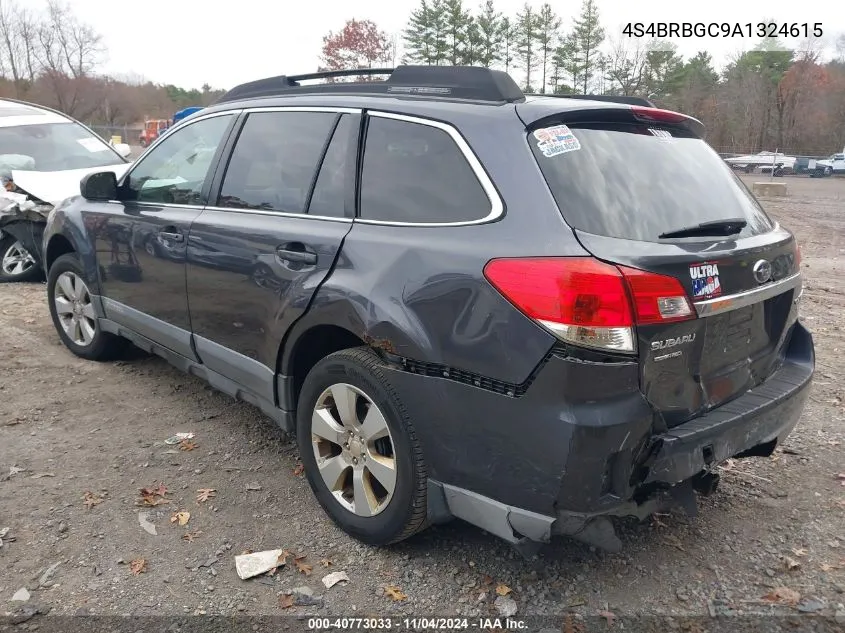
[(16, 263), (74, 315), (372, 460)]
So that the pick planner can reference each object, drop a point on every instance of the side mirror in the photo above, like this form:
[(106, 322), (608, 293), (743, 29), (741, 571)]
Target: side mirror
[(123, 149), (101, 185)]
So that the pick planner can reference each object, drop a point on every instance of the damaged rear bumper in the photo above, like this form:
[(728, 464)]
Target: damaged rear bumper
[(678, 460)]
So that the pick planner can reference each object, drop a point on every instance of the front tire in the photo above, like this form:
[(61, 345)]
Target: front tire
[(73, 313), (16, 263), (360, 452)]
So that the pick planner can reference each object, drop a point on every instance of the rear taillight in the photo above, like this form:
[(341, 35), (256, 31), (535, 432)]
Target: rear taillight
[(587, 302)]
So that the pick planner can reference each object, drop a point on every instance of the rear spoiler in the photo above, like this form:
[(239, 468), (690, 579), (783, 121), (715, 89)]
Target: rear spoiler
[(634, 113)]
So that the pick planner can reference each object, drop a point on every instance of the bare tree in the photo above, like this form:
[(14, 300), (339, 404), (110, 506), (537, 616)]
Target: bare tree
[(626, 67)]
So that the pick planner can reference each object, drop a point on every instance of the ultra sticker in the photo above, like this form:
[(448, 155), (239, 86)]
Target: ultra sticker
[(556, 140), (705, 280)]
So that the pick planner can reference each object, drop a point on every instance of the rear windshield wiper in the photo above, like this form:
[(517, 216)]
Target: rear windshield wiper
[(731, 226)]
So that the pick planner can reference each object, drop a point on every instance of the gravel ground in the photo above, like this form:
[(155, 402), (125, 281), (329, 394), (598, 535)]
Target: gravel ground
[(72, 430)]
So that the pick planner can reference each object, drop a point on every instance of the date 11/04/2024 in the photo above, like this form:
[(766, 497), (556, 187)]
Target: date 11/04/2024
[(723, 29)]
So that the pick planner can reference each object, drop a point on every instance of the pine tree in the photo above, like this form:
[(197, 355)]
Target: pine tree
[(473, 44), (457, 22), (508, 33), (525, 28), (568, 65), (491, 38), (588, 35), (548, 25), (419, 35)]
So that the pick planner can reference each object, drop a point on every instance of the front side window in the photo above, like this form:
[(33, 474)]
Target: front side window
[(175, 170), (55, 147), (275, 161), (416, 173)]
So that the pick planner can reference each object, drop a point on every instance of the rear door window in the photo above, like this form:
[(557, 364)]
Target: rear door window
[(328, 197), (635, 182), (416, 173), (275, 159)]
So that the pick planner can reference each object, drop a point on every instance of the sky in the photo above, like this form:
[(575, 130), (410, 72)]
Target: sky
[(226, 42)]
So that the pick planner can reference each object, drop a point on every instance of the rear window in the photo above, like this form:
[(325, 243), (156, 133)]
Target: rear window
[(635, 182)]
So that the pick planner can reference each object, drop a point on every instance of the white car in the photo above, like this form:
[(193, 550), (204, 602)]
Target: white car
[(766, 161), (43, 156)]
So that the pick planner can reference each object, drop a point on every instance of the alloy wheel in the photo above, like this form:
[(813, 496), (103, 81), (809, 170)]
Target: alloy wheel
[(74, 308), (17, 260), (353, 449)]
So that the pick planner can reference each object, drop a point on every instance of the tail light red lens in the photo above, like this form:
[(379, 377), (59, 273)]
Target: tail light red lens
[(657, 298), (656, 115), (586, 301)]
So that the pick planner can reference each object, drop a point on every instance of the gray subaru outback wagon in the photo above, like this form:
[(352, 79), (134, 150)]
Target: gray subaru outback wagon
[(531, 313)]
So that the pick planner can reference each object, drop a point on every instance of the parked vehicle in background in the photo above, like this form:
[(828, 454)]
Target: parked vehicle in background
[(43, 155), (185, 113), (153, 128), (834, 165), (531, 313), (764, 161)]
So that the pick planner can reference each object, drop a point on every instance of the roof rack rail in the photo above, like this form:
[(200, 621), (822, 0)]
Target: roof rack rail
[(629, 100), (451, 82)]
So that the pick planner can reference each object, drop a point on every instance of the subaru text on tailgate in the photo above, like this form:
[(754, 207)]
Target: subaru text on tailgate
[(531, 313)]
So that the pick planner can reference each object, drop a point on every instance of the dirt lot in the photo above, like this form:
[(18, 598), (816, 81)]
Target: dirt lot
[(70, 428)]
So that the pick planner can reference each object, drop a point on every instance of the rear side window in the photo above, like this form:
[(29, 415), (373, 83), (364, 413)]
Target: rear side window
[(416, 173), (630, 181), (275, 161), (327, 199)]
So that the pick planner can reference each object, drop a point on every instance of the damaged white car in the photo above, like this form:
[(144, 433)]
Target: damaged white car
[(43, 156)]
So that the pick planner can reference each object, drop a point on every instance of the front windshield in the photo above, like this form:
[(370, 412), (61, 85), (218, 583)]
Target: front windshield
[(57, 146)]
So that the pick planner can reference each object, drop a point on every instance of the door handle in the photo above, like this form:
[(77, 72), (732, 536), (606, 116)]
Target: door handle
[(299, 257), (296, 252), (172, 233)]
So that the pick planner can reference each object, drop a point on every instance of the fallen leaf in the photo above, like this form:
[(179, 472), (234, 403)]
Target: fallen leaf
[(790, 563), (299, 469), (138, 566), (609, 616), (204, 494), (90, 499), (325, 562), (246, 552), (503, 590), (304, 568), (190, 536), (487, 580), (572, 627), (187, 445), (783, 595), (286, 601), (180, 518), (827, 567), (283, 557), (799, 551), (153, 496), (395, 593)]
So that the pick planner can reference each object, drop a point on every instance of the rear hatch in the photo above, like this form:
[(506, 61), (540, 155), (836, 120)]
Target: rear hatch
[(641, 189)]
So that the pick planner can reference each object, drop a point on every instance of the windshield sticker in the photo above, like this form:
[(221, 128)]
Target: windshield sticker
[(556, 140), (92, 144), (705, 280)]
